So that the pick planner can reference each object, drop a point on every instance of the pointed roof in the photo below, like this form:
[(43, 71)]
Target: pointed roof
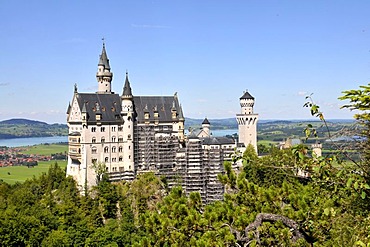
[(104, 58), (247, 95), (127, 88), (69, 107), (84, 110), (181, 114), (205, 121)]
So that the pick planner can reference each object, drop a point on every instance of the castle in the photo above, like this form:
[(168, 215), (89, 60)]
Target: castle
[(129, 135)]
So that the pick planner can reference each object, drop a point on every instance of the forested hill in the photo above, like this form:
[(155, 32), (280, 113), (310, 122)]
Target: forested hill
[(231, 123), (16, 128)]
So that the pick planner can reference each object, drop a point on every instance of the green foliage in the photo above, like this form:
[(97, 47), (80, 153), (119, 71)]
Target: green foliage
[(329, 206), (99, 169)]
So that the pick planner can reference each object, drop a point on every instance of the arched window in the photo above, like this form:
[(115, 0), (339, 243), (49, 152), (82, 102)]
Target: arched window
[(106, 150), (120, 158), (120, 149), (102, 139), (113, 149), (129, 137), (93, 150), (113, 138), (93, 140), (106, 160)]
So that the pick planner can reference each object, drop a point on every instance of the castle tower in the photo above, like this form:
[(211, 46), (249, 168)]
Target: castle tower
[(247, 121), (127, 114), (206, 127), (104, 76)]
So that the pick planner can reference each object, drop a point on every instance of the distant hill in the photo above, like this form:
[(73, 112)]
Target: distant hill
[(19, 127), (230, 123), (22, 121), (225, 123)]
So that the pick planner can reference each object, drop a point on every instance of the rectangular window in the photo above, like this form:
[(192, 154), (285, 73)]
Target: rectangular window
[(93, 129), (102, 129)]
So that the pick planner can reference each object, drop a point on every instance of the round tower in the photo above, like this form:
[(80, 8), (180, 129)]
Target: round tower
[(247, 121), (104, 76), (206, 126), (127, 114)]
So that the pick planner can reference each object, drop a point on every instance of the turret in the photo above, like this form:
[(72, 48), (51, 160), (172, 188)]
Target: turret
[(206, 126), (127, 98), (104, 76), (246, 103), (247, 121), (127, 114)]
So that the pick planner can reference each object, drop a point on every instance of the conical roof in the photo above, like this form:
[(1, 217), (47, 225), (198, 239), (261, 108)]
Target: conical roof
[(247, 95), (127, 88), (205, 121), (104, 58)]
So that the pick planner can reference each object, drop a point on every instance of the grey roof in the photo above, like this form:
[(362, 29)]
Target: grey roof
[(69, 107), (163, 104), (217, 141), (181, 114), (247, 95), (104, 58), (127, 88), (205, 121), (108, 105), (195, 132)]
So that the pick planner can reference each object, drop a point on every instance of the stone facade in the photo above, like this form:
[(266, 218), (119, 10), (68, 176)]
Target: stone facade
[(247, 122), (127, 135)]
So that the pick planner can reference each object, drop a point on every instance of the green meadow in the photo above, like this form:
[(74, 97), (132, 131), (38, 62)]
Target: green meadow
[(46, 149), (20, 174)]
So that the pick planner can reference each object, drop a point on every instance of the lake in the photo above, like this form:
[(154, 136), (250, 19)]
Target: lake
[(218, 133), (19, 142)]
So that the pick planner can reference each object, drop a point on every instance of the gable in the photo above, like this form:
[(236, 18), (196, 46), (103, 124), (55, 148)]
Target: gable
[(74, 111)]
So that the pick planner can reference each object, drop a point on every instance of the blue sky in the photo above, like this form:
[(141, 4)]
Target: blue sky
[(207, 51)]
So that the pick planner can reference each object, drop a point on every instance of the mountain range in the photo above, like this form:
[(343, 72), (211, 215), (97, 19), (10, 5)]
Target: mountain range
[(20, 127)]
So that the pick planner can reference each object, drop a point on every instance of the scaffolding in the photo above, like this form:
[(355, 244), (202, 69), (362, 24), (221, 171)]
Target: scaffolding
[(195, 180)]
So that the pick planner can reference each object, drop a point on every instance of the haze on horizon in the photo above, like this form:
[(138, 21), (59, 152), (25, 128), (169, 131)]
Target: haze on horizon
[(208, 52)]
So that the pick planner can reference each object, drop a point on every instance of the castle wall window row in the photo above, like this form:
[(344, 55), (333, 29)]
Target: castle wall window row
[(156, 142)]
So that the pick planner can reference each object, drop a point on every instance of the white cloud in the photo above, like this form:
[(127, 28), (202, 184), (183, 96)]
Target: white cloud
[(302, 93)]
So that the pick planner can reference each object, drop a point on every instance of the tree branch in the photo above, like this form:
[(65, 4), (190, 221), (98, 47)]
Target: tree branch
[(262, 217)]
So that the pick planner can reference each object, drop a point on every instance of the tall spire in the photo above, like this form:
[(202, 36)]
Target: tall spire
[(104, 75), (127, 92), (104, 58)]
